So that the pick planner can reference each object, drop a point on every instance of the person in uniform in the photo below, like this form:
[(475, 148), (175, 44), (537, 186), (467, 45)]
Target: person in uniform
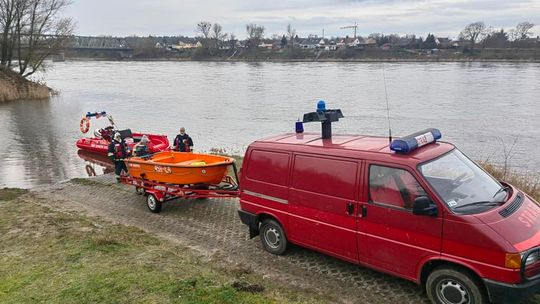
[(183, 142), (118, 151), (143, 147)]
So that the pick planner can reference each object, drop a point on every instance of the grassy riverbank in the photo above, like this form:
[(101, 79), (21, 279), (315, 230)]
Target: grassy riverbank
[(528, 183), (14, 87), (59, 257)]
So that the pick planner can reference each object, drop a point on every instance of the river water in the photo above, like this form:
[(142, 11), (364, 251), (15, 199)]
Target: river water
[(482, 108)]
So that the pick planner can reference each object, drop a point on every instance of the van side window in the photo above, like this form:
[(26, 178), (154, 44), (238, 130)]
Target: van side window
[(392, 186), (268, 166), (325, 176)]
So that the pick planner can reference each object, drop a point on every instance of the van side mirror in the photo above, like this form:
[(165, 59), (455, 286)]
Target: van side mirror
[(423, 205)]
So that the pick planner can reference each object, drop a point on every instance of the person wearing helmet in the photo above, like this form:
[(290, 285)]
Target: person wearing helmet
[(118, 151), (143, 147), (183, 142), (104, 133)]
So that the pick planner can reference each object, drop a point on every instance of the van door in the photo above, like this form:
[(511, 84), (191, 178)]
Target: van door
[(397, 240), (323, 204)]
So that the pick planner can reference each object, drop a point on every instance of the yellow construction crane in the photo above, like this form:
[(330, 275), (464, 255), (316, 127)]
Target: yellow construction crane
[(355, 27)]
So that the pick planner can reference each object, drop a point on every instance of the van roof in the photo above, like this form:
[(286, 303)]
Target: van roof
[(361, 146)]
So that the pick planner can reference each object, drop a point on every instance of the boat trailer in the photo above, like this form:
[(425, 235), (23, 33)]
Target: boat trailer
[(158, 193)]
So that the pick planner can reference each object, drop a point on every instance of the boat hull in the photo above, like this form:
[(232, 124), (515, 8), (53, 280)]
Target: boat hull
[(180, 168), (101, 146)]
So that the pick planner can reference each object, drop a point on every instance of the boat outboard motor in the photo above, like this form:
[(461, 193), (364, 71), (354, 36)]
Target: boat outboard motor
[(326, 117)]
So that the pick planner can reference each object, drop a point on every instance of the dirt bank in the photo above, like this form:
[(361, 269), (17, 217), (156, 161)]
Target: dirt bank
[(212, 228), (14, 87)]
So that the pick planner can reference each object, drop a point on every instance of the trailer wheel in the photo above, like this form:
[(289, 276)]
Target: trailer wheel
[(449, 285), (273, 237), (153, 204)]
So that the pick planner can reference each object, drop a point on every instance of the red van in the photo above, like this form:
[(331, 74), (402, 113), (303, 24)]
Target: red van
[(421, 211)]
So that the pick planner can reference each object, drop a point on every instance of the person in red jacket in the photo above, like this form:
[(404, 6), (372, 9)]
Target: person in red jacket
[(118, 151), (183, 142)]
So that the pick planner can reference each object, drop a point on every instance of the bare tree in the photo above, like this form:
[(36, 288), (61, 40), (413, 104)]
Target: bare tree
[(255, 34), (232, 41), (217, 32), (203, 28), (43, 30), (7, 20), (474, 33), (217, 35), (32, 30), (291, 33), (523, 31)]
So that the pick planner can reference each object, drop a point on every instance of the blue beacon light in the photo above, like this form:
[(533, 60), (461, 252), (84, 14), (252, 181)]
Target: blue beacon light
[(321, 106), (299, 127), (409, 143)]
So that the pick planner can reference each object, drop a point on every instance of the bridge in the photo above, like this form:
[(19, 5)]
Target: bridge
[(87, 46), (98, 46), (98, 43)]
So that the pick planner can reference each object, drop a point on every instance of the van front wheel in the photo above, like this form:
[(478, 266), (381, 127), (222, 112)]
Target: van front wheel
[(272, 237), (449, 285)]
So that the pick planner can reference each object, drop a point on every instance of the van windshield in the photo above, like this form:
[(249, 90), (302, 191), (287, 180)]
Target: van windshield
[(463, 186)]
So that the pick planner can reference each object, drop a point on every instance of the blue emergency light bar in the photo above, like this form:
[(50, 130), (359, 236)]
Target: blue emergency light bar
[(409, 143), (97, 114)]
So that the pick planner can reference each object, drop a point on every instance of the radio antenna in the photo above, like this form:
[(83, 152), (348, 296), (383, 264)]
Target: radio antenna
[(387, 106)]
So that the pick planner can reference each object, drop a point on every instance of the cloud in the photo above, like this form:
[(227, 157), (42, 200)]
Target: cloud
[(169, 17)]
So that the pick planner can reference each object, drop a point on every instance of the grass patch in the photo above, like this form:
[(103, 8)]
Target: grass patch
[(529, 183), (86, 182), (52, 257), (8, 194)]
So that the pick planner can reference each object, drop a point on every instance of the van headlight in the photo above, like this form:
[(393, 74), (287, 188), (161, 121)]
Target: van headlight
[(532, 264), (533, 258)]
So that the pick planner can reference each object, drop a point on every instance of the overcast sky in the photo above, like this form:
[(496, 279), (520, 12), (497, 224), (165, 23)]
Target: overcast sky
[(179, 17)]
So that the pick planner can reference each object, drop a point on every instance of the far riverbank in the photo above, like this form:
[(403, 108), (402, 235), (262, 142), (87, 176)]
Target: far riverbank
[(332, 60), (310, 55)]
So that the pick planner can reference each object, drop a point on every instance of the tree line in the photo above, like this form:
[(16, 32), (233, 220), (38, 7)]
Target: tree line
[(476, 33), (479, 33), (30, 31)]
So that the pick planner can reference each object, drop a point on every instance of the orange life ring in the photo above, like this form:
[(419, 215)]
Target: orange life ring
[(85, 124)]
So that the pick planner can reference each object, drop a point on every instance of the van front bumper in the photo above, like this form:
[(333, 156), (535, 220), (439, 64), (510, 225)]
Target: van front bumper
[(511, 293), (251, 221)]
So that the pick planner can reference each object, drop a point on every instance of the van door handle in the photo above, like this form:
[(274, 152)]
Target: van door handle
[(350, 208), (364, 211)]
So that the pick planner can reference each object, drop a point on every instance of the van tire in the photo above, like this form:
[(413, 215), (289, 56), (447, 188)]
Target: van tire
[(459, 285), (273, 237)]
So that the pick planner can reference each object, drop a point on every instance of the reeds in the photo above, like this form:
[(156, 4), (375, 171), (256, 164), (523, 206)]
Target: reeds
[(528, 183), (14, 87)]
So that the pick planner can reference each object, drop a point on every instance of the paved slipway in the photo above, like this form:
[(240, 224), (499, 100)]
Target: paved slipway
[(212, 228)]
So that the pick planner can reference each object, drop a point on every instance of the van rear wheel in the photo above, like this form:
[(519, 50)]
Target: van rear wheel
[(451, 285), (273, 237)]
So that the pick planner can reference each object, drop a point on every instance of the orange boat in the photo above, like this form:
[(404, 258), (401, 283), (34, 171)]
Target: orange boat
[(180, 168)]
